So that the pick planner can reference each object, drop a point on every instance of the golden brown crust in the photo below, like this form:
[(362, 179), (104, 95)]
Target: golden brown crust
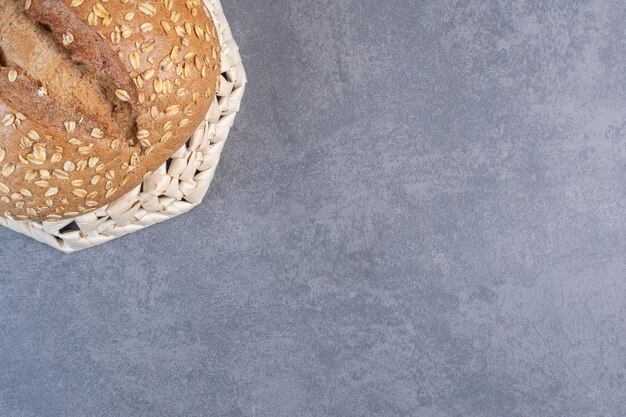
[(73, 139)]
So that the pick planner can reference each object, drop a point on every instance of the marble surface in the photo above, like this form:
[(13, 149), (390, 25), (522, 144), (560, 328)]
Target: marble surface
[(421, 212)]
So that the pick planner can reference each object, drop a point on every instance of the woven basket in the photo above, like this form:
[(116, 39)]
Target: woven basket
[(176, 187)]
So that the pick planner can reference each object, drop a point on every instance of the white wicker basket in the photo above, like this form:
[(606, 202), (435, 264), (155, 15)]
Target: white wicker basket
[(176, 187)]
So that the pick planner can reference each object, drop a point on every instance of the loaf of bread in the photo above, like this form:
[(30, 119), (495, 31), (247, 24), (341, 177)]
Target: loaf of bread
[(95, 95)]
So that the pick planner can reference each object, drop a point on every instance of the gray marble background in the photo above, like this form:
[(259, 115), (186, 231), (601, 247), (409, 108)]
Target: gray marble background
[(421, 212)]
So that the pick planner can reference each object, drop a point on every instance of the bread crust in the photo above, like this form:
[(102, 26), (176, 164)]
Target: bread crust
[(116, 89)]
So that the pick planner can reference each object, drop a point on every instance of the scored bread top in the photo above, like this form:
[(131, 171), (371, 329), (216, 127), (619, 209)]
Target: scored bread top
[(95, 95)]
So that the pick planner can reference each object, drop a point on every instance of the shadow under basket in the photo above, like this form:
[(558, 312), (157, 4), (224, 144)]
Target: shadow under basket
[(175, 187)]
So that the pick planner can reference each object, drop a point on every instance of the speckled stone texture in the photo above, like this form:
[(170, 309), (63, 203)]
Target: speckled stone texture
[(421, 212)]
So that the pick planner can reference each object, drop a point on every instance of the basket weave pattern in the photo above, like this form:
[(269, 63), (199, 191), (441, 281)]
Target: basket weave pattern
[(174, 188)]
